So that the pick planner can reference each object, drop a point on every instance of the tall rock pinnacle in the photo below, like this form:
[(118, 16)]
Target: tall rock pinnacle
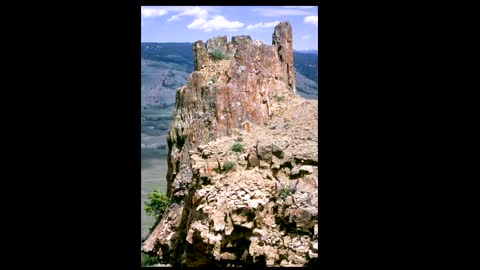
[(282, 38)]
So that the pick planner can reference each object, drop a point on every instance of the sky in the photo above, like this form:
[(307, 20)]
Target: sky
[(192, 23)]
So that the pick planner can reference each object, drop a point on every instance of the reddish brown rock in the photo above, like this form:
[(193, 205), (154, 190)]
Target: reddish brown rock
[(200, 55), (283, 40)]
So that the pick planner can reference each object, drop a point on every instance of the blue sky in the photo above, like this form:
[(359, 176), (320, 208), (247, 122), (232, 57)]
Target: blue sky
[(189, 24)]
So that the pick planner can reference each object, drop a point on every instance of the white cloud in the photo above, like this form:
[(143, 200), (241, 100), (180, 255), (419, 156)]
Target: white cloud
[(275, 12), (306, 37), (306, 7), (153, 12), (174, 18), (263, 25), (216, 23), (195, 12), (311, 20)]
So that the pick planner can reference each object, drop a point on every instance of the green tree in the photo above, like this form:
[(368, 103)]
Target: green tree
[(156, 203)]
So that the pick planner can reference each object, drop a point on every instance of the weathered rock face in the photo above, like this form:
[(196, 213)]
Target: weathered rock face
[(200, 55), (217, 43), (282, 39), (220, 218), (258, 214)]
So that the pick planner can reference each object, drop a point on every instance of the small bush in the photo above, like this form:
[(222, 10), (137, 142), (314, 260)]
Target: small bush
[(285, 191), (213, 79), (227, 166), (279, 98), (217, 54), (156, 203), (148, 260), (237, 147)]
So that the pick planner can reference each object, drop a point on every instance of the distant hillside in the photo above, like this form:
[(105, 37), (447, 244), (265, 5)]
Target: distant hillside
[(307, 65), (180, 54), (164, 67)]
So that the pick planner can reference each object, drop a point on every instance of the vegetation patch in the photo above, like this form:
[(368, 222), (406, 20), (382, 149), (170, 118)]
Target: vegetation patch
[(213, 79), (237, 147), (148, 260), (227, 166), (156, 203), (279, 98), (285, 190), (218, 54)]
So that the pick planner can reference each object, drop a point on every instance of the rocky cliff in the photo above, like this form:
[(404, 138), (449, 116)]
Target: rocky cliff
[(255, 202)]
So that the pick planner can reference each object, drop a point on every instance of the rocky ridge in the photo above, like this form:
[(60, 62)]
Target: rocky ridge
[(255, 204)]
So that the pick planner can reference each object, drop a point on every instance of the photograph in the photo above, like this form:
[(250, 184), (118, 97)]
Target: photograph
[(229, 136)]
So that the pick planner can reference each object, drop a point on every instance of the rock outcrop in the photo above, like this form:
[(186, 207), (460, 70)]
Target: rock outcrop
[(254, 204), (282, 39)]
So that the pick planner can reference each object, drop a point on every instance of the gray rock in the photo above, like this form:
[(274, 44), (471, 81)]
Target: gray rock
[(295, 171), (288, 201), (228, 256), (253, 204), (217, 43), (252, 160), (264, 151), (206, 153), (277, 161), (219, 221), (312, 255), (306, 169), (299, 260), (277, 151), (248, 225), (264, 165), (286, 241), (258, 232)]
